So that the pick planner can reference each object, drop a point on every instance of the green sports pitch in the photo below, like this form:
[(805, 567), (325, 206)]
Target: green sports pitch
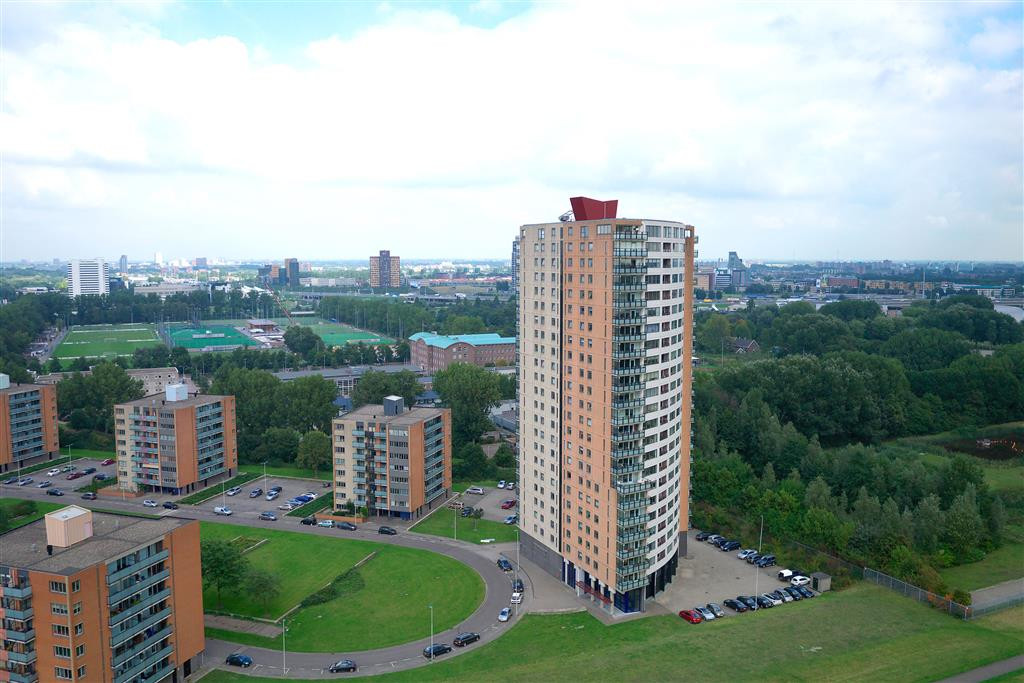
[(208, 336), (96, 342), (333, 334)]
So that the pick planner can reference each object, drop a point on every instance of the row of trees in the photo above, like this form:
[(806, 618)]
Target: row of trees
[(304, 342), (224, 567), (402, 319), (87, 401), (21, 322)]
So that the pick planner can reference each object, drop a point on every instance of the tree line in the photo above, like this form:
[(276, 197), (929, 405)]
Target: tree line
[(402, 319)]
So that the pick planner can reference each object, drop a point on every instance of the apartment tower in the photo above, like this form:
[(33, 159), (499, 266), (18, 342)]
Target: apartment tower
[(173, 442), (28, 424), (392, 461), (385, 270), (605, 373), (88, 276), (91, 596)]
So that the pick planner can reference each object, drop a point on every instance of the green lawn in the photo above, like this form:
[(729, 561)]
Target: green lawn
[(443, 523), (105, 341), (42, 507), (1000, 565), (864, 633), (56, 462), (461, 486), (391, 607), (215, 490), (1000, 476), (284, 471), (313, 506)]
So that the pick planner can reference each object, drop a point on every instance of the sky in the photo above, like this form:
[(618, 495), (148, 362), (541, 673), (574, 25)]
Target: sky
[(265, 130)]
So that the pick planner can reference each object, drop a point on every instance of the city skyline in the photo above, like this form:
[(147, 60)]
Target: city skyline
[(790, 132)]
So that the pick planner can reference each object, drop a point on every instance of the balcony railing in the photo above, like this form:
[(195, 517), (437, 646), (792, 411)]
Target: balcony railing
[(140, 585), (138, 566)]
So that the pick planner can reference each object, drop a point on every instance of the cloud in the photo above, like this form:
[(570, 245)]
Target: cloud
[(998, 40), (846, 126)]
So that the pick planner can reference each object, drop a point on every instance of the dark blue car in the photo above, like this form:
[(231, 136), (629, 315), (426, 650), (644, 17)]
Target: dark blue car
[(244, 661)]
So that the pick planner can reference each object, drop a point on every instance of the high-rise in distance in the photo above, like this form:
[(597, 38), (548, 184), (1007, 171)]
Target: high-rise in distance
[(88, 276), (385, 270), (605, 373)]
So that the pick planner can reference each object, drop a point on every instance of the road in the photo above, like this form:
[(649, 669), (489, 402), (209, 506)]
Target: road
[(267, 662)]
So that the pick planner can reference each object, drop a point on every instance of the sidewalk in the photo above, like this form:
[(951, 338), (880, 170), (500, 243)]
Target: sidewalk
[(256, 628)]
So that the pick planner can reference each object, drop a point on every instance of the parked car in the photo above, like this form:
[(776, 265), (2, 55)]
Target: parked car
[(342, 665), (107, 461), (12, 480), (256, 492), (68, 468), (744, 554), (222, 510), (55, 492), (89, 470), (99, 476), (517, 586), (501, 484), (268, 517), (703, 535), (150, 503), (44, 484), (504, 564), (466, 638), (505, 614), (691, 616), (74, 475), (510, 486), (476, 491), (705, 613), (345, 526), (508, 504), (766, 561), (236, 659), (326, 523), (512, 519), (799, 581), (716, 609), (730, 546), (467, 510), (171, 505), (751, 559), (436, 650), (793, 593), (286, 506), (764, 602), (275, 489), (805, 591), (747, 600), (54, 472), (779, 594), (772, 599), (387, 531), (88, 495), (308, 521), (713, 538), (234, 491), (735, 605), (272, 495), (25, 481), (309, 494), (517, 598)]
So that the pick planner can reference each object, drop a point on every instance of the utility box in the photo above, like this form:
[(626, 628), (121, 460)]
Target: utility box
[(393, 405), (68, 526), (175, 392), (821, 582)]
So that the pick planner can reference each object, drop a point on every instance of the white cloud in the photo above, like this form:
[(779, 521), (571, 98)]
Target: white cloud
[(998, 40), (838, 126)]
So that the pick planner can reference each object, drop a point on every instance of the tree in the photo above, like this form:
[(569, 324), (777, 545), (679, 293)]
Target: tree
[(929, 521), (964, 526), (262, 585), (478, 513), (277, 444), (996, 521), (307, 403), (713, 332), (470, 392), (470, 462), (314, 451), (373, 386), (852, 309), (926, 349), (302, 340), (223, 566), (95, 395), (504, 457)]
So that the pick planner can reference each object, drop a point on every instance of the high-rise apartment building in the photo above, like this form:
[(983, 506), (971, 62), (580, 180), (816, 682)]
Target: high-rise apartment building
[(88, 276), (28, 424), (91, 596), (123, 264), (605, 373), (385, 270), (173, 442), (291, 268), (392, 461), (515, 265)]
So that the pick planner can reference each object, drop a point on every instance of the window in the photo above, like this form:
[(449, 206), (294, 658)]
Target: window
[(80, 650), (61, 651), (58, 608), (76, 585), (77, 609), (60, 630), (81, 672), (58, 587), (61, 672), (78, 629)]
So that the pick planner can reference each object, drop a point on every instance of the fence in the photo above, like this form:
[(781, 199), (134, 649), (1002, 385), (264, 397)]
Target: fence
[(982, 610), (920, 594)]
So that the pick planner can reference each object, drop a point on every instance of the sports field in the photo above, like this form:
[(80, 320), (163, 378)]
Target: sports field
[(333, 334), (105, 341), (208, 335)]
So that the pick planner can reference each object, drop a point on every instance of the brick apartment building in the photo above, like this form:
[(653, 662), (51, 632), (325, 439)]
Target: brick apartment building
[(28, 424), (91, 596), (173, 442), (393, 461), (434, 352), (385, 271)]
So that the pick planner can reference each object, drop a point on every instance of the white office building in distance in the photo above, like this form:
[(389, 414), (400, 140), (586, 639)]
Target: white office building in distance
[(88, 276)]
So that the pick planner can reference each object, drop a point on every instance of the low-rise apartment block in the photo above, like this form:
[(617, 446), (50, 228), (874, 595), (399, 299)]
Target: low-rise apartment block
[(98, 597), (392, 461), (434, 352), (173, 442), (28, 424)]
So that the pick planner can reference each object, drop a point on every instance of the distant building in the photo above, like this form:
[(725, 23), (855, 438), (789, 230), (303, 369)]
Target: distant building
[(123, 264), (28, 424), (166, 289), (200, 262), (743, 345), (739, 278), (434, 352), (704, 281), (261, 325), (158, 258), (735, 261), (291, 275), (345, 378), (91, 596), (175, 443), (392, 461), (837, 281), (88, 277), (154, 380), (385, 270), (515, 265)]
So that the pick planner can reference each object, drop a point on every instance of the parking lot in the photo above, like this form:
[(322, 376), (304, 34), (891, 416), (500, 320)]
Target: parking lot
[(241, 505), (491, 502), (60, 481), (710, 575)]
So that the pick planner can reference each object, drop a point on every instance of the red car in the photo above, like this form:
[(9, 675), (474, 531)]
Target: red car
[(74, 475), (691, 616), (108, 461), (508, 504)]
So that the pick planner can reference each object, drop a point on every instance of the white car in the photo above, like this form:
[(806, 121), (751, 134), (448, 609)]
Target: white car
[(744, 554), (221, 510), (785, 574), (504, 614), (799, 581), (286, 506), (149, 503), (54, 472), (312, 496), (517, 598), (234, 491), (475, 490), (326, 523), (273, 495), (501, 484), (772, 599)]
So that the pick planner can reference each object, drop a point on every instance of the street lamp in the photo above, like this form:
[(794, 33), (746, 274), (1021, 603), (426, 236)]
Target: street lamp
[(431, 606), (284, 650)]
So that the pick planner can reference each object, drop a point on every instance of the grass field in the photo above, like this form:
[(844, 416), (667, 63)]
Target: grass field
[(864, 633), (390, 608), (1000, 565), (42, 507), (338, 334), (208, 493), (105, 341), (442, 523), (285, 471), (185, 336)]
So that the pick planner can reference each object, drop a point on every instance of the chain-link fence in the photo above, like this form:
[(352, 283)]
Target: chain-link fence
[(920, 594)]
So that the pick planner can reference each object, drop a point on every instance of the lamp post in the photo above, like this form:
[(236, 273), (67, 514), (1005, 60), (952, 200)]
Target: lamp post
[(284, 650), (431, 606), (760, 539)]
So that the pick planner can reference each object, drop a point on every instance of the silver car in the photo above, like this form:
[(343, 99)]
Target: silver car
[(707, 614)]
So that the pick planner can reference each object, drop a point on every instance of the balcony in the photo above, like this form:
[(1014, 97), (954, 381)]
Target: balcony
[(632, 504), (17, 591), (629, 253), (627, 468), (628, 287), (148, 642), (140, 585), (23, 678), (628, 554), (624, 585), (145, 664), (138, 566), (138, 628), (627, 337), (138, 607), (628, 353), (627, 403), (628, 269), (628, 371), (20, 636), (632, 487), (19, 614), (629, 303)]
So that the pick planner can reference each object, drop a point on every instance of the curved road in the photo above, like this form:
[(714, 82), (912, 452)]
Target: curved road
[(267, 662)]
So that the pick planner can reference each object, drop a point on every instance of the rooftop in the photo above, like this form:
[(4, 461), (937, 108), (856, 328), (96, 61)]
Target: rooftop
[(376, 413), (160, 400), (113, 536), (19, 388), (346, 371), (443, 341)]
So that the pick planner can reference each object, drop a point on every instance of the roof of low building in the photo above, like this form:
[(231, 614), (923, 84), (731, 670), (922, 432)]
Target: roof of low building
[(160, 400), (375, 412), (443, 341)]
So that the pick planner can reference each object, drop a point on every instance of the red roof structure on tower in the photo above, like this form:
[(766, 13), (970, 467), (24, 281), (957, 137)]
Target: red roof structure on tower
[(587, 209)]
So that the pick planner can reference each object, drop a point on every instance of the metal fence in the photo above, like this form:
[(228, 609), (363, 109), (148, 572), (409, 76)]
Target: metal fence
[(920, 594), (982, 610)]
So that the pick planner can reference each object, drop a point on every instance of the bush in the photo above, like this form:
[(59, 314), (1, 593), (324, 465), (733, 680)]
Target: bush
[(347, 583), (22, 508), (962, 596)]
